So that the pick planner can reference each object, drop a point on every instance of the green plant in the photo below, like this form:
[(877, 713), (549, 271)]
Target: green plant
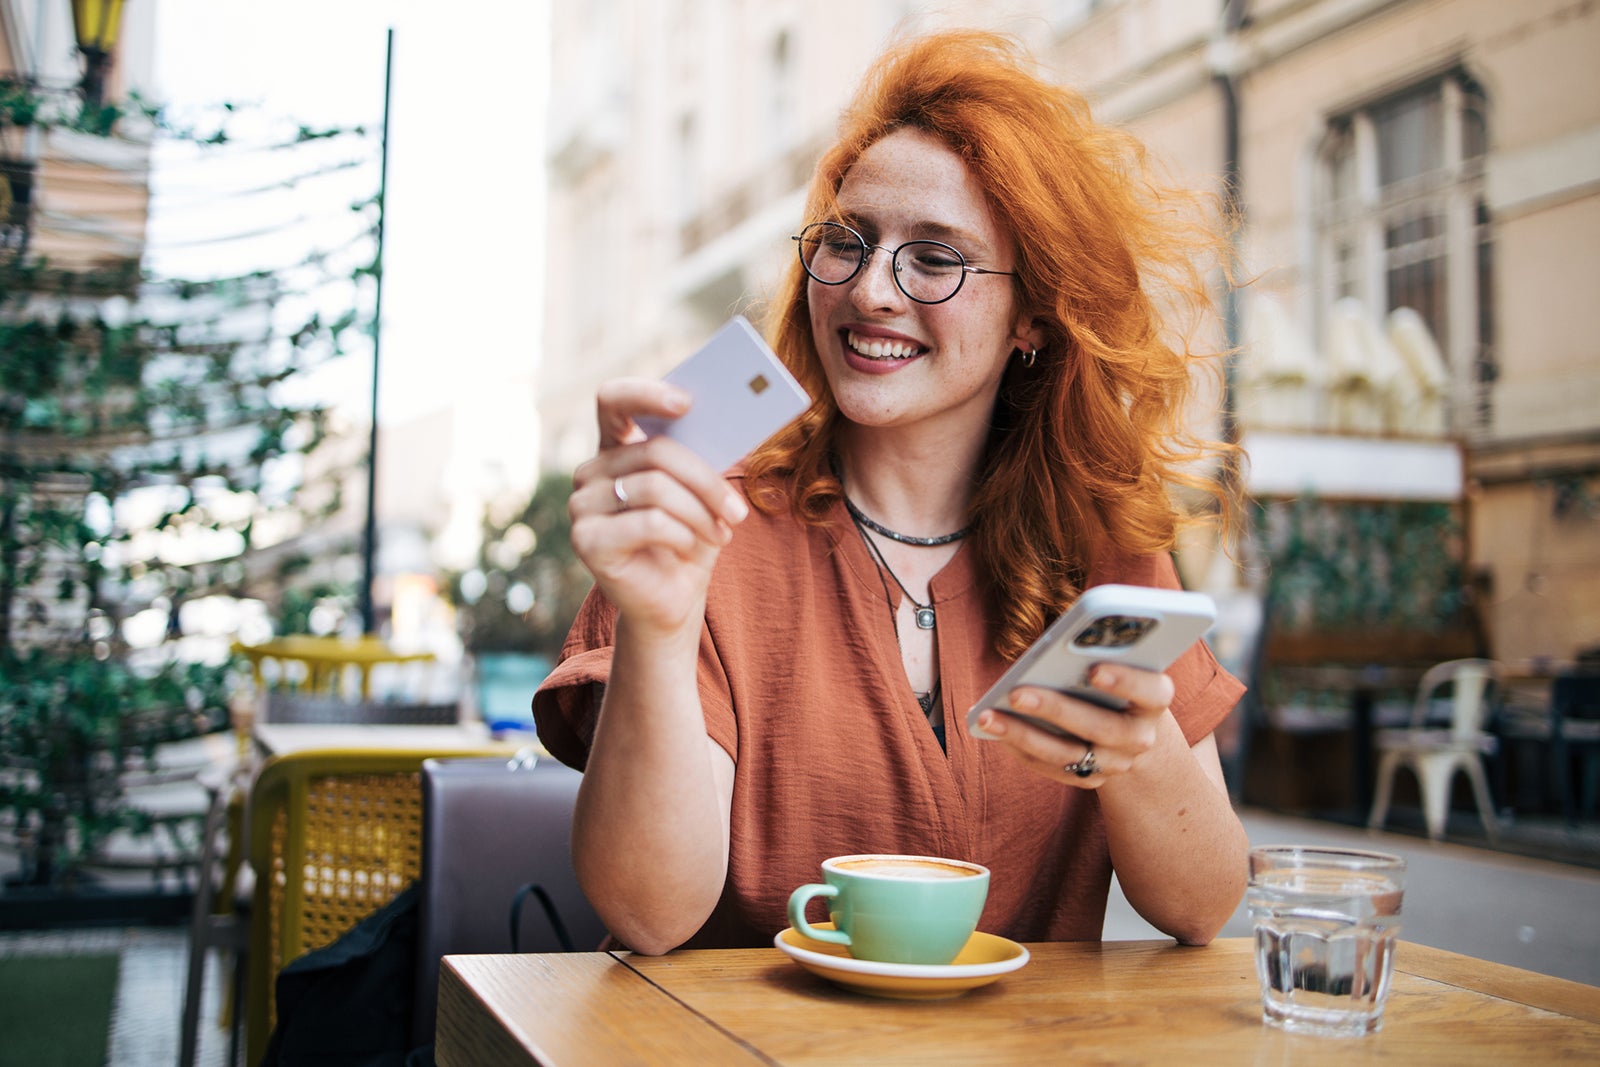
[(71, 725), (528, 584), (137, 447), (1354, 565)]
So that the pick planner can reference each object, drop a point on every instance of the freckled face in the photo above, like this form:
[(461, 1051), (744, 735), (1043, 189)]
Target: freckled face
[(891, 361)]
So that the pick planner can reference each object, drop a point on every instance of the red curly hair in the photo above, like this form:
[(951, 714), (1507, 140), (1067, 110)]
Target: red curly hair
[(1087, 445)]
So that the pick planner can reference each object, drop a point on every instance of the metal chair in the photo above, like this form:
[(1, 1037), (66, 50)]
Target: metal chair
[(332, 835), (220, 915), (1435, 754), (216, 920), (1575, 724), (322, 664)]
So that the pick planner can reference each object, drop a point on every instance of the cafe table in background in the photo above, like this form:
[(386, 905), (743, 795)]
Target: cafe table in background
[(1072, 1003)]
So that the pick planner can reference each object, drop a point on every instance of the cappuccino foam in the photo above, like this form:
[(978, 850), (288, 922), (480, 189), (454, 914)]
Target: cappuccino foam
[(904, 868)]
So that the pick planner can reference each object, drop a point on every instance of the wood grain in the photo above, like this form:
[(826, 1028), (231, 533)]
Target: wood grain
[(567, 1008), (1088, 1003)]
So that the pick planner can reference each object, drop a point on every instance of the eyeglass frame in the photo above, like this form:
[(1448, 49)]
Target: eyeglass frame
[(867, 248)]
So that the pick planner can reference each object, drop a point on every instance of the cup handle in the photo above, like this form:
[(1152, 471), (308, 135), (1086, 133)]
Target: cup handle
[(797, 913)]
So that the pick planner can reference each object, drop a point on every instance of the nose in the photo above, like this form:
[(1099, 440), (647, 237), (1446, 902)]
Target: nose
[(874, 288)]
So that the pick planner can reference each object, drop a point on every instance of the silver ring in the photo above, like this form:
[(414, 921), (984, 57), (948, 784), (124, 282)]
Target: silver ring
[(621, 495), (1085, 767)]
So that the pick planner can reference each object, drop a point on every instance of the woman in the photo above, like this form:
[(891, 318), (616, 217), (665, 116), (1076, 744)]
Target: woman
[(773, 667)]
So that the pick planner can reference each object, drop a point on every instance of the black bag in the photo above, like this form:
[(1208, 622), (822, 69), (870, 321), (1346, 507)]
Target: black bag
[(350, 1003)]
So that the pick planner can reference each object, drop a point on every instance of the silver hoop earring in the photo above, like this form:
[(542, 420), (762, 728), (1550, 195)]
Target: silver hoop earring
[(1030, 357)]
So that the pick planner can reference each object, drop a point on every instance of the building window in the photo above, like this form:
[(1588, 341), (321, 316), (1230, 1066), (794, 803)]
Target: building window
[(1403, 222), (782, 92)]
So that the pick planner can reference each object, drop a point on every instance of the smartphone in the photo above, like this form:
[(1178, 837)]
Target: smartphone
[(743, 394), (1133, 624)]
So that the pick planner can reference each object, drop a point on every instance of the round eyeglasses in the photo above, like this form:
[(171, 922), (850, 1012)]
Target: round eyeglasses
[(929, 272)]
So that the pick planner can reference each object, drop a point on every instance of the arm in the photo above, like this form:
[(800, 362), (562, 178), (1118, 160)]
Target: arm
[(650, 833), (1178, 848)]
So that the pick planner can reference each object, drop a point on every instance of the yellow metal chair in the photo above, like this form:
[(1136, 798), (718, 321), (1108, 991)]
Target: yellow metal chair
[(334, 835), (307, 662)]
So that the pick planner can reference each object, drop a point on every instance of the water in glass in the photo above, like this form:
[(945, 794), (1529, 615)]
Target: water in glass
[(1325, 938)]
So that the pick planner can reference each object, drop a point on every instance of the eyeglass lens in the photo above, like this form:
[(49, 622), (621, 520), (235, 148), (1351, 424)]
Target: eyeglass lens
[(929, 272)]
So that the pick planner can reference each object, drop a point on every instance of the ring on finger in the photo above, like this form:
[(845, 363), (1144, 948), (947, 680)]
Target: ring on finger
[(1085, 767), (620, 493)]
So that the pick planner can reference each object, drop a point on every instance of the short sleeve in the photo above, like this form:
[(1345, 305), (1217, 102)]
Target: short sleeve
[(567, 704)]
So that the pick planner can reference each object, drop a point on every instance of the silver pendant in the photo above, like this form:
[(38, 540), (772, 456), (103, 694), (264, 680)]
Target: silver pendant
[(925, 618)]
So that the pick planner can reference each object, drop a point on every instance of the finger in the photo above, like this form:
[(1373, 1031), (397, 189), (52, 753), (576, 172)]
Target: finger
[(652, 488), (609, 542), (1078, 720), (1145, 691), (620, 401), (1048, 754), (716, 495)]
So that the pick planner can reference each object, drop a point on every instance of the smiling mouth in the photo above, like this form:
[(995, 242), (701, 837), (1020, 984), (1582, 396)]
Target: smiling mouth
[(879, 348)]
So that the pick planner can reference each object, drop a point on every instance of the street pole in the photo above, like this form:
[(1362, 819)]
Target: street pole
[(369, 619)]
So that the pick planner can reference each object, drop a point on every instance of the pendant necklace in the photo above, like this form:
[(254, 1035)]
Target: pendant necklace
[(924, 612), (925, 620)]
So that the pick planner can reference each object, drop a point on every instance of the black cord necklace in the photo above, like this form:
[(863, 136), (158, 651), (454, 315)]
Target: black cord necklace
[(924, 612), (893, 535), (904, 539)]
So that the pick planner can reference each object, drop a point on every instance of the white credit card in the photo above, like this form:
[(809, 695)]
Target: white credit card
[(742, 395)]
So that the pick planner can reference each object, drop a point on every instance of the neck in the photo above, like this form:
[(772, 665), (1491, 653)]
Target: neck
[(925, 492)]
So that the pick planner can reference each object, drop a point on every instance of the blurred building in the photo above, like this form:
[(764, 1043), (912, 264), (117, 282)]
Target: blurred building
[(80, 200), (75, 200), (1420, 187)]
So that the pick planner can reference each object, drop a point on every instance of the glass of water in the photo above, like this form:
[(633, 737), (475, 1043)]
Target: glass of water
[(1326, 923)]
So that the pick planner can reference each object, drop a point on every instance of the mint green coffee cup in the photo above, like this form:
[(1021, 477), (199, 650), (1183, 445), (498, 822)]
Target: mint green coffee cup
[(896, 909)]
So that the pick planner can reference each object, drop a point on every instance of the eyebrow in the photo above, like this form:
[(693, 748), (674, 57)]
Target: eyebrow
[(968, 243)]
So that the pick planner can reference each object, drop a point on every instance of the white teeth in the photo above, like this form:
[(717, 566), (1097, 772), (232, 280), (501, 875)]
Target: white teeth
[(880, 349)]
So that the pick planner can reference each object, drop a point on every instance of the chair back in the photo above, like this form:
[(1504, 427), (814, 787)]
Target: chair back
[(294, 706), (1471, 682), (334, 835), (1574, 695), (490, 827)]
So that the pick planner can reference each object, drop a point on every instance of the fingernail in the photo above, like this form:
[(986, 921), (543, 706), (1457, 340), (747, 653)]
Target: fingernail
[(678, 399), (989, 722), (735, 508), (1100, 678), (1023, 700)]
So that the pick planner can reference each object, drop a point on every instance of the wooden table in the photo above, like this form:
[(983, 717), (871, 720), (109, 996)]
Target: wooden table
[(1073, 1003)]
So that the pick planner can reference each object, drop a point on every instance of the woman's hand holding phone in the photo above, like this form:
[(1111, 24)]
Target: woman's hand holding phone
[(1084, 702)]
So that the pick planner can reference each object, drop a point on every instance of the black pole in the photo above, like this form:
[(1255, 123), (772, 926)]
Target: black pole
[(1233, 19), (369, 619)]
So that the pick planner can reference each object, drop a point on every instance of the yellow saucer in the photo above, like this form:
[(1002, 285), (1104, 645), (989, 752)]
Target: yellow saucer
[(985, 958)]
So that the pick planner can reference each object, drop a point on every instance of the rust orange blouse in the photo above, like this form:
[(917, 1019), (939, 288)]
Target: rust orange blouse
[(801, 682)]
